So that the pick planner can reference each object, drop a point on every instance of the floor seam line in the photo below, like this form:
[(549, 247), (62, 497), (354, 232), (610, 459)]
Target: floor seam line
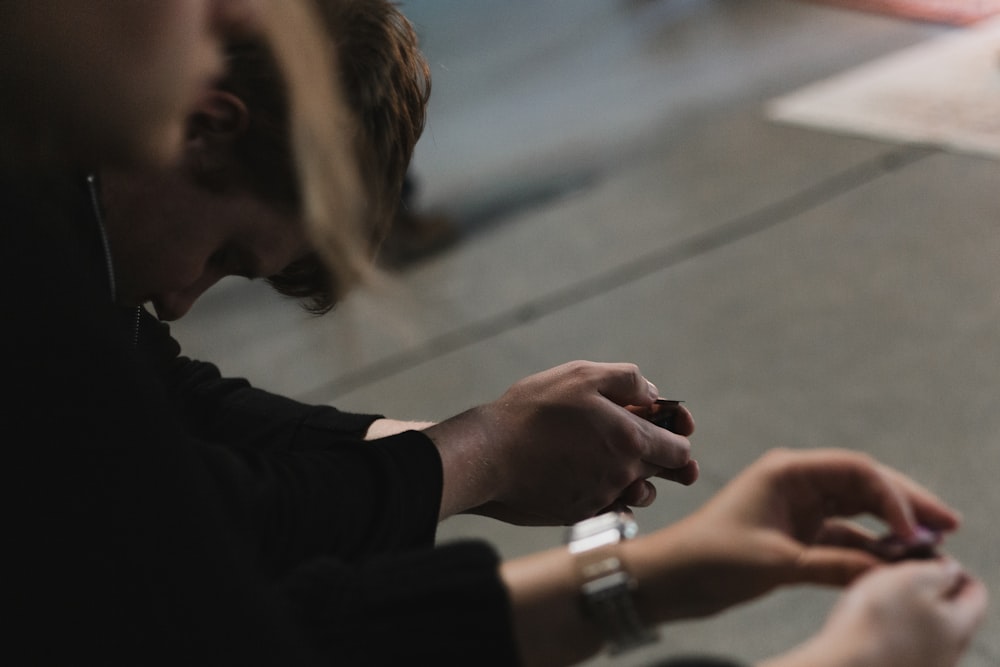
[(668, 256)]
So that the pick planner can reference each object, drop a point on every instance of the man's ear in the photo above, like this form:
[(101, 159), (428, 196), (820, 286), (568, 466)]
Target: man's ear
[(219, 117)]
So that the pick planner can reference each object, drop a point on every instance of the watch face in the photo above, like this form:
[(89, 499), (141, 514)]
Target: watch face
[(607, 528)]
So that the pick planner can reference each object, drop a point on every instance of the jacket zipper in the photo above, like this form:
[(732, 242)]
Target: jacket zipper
[(96, 204)]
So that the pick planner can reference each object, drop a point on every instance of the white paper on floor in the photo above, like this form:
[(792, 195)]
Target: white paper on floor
[(943, 93)]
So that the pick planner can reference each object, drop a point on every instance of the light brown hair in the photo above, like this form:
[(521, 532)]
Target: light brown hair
[(385, 82)]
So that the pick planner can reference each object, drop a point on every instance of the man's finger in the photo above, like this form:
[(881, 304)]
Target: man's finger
[(686, 475)]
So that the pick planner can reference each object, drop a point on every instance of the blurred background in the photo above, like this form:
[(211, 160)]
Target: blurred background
[(606, 184)]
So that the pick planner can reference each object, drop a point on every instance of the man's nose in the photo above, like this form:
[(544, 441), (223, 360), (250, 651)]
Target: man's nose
[(174, 305)]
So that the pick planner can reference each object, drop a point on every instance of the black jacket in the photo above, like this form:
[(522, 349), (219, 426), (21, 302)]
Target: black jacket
[(133, 542)]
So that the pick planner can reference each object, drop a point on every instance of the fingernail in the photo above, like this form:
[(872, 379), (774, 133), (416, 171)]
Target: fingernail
[(925, 536), (645, 495), (952, 567), (654, 393)]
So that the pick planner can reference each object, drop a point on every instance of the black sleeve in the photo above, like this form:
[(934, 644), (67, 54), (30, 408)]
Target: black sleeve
[(231, 411), (315, 488), (444, 607), (350, 500)]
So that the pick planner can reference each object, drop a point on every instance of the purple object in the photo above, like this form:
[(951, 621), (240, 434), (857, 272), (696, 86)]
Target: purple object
[(923, 545)]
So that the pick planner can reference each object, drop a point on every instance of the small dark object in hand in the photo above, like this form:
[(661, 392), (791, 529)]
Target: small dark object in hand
[(664, 413), (923, 546)]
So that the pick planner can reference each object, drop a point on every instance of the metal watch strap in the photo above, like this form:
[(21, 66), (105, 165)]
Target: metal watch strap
[(607, 587)]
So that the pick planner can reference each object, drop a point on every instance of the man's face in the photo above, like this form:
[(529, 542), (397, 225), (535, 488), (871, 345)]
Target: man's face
[(171, 239)]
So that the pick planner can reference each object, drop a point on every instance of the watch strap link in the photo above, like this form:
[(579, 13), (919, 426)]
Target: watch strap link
[(607, 586)]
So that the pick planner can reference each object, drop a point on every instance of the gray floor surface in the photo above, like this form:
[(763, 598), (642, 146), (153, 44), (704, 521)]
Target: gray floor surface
[(623, 199)]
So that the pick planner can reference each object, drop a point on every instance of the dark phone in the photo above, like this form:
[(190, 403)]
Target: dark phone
[(664, 413)]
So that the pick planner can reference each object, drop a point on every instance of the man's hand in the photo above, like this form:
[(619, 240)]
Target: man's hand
[(562, 445)]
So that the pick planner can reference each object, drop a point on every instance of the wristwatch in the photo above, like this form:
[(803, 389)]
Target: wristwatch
[(606, 586)]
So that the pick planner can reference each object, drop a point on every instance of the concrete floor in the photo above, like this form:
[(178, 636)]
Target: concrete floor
[(623, 199)]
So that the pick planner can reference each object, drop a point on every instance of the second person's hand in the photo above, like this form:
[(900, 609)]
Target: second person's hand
[(782, 521), (912, 614)]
